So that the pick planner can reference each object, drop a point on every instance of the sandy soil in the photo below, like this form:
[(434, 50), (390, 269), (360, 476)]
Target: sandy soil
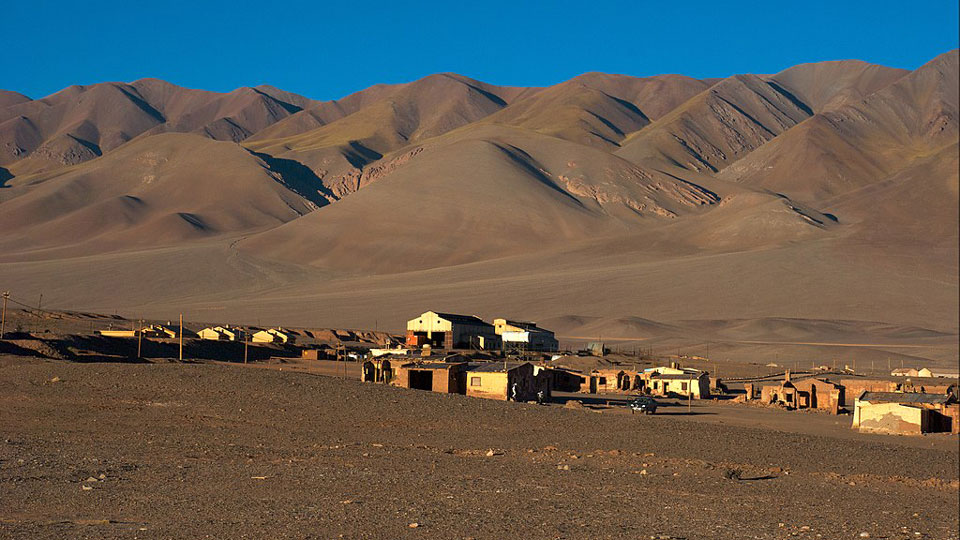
[(171, 450)]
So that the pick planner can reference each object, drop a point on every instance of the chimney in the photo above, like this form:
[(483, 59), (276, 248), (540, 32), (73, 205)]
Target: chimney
[(786, 376)]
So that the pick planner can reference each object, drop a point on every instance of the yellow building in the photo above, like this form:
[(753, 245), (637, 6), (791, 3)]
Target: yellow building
[(503, 381), (273, 335), (451, 331), (686, 382), (905, 413), (525, 335), (221, 333), (119, 333)]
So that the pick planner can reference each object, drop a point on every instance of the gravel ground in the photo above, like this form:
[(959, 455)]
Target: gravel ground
[(172, 451)]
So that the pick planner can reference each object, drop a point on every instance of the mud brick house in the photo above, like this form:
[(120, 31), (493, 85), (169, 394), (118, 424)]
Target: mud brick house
[(614, 381), (906, 413), (676, 380), (566, 380), (805, 394), (854, 387), (497, 380), (451, 331), (442, 377), (377, 370), (525, 335)]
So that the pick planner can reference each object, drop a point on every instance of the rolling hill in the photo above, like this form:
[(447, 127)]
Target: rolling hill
[(818, 201)]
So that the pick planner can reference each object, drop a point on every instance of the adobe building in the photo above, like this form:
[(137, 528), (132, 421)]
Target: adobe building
[(377, 370), (565, 380), (525, 335), (504, 381), (805, 394), (906, 413), (442, 377), (685, 382), (606, 381), (451, 331)]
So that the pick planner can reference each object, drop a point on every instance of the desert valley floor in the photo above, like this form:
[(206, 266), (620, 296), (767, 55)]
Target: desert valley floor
[(210, 450)]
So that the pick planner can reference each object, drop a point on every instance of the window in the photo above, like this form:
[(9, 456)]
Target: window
[(474, 381), (683, 387), (603, 380)]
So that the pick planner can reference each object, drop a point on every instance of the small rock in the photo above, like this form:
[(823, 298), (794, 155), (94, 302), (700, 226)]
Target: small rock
[(102, 476), (864, 534), (563, 467), (491, 452), (413, 525), (86, 488), (90, 479)]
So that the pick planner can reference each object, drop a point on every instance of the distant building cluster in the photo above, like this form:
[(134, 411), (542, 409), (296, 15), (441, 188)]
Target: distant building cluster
[(463, 354), (451, 331)]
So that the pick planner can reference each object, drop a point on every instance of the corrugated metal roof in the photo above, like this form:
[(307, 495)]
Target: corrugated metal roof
[(463, 319), (904, 397)]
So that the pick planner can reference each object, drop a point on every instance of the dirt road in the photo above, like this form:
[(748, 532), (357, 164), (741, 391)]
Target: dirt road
[(171, 451)]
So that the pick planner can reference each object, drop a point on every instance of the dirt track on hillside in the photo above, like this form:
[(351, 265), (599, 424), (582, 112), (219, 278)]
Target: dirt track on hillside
[(169, 450)]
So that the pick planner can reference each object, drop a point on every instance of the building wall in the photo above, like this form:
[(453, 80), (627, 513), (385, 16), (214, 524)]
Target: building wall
[(210, 333), (497, 384), (889, 418), (487, 384), (854, 387)]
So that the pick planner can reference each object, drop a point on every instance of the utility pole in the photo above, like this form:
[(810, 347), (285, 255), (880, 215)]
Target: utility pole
[(181, 337), (246, 345), (140, 340), (40, 302), (3, 316)]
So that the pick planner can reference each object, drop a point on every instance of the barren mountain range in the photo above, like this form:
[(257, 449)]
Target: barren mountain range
[(827, 192)]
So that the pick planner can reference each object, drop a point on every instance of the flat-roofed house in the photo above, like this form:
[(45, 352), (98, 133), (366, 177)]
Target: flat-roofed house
[(906, 413), (119, 333), (442, 377), (808, 393), (503, 381), (686, 382), (451, 331), (525, 335)]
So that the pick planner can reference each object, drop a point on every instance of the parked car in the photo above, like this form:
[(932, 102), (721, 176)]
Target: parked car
[(644, 404)]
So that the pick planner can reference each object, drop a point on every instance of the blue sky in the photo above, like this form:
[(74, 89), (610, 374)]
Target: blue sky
[(328, 50)]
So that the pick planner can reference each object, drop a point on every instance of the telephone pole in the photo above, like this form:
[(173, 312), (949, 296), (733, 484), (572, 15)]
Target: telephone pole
[(140, 340), (181, 337), (3, 316)]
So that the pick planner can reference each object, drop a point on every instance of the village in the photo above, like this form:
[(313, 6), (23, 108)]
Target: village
[(349, 418), (519, 361)]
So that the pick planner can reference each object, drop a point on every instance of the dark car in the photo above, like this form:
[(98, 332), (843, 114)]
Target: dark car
[(645, 405)]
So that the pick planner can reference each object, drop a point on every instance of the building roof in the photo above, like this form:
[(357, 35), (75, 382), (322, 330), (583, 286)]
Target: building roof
[(676, 376), (463, 319), (431, 365), (495, 367), (904, 397)]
